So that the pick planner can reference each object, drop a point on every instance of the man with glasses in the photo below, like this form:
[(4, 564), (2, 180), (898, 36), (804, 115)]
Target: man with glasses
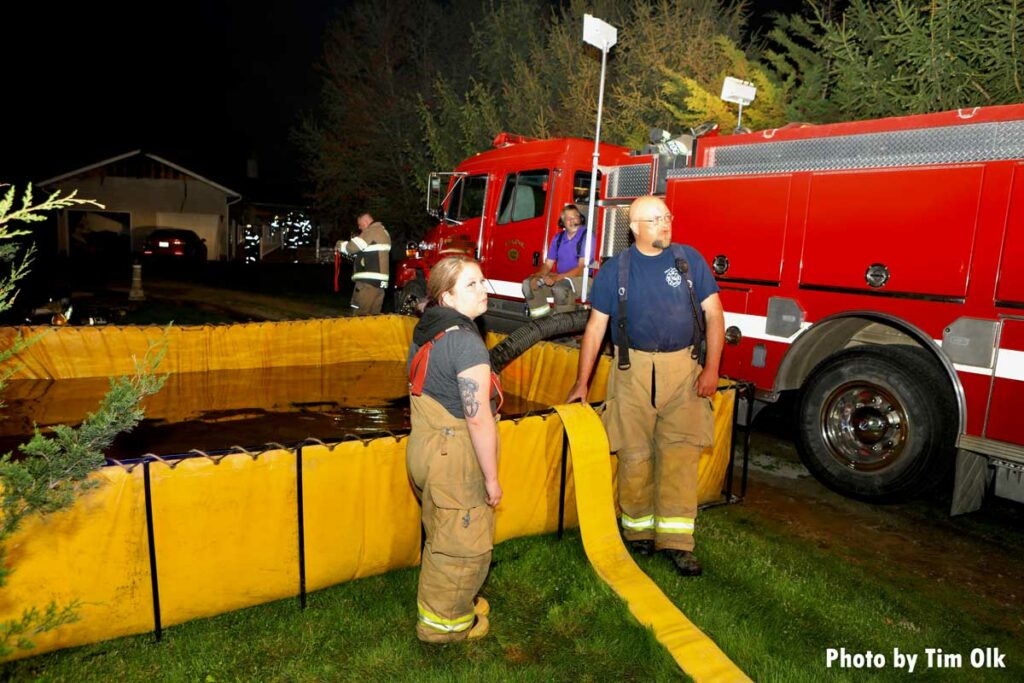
[(561, 275), (658, 413)]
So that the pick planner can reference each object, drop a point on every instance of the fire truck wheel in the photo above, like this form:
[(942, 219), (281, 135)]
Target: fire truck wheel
[(877, 422), (413, 293)]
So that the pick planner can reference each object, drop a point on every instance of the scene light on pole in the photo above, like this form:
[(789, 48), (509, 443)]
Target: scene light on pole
[(738, 92), (603, 36)]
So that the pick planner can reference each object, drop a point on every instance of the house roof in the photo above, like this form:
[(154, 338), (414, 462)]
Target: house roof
[(128, 155)]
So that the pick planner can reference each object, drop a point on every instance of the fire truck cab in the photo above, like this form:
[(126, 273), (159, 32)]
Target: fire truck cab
[(502, 206)]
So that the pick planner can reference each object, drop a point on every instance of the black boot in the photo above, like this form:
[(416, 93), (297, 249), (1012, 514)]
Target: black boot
[(686, 562), (644, 547)]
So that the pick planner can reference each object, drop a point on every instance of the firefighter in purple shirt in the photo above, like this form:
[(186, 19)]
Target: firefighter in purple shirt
[(561, 275)]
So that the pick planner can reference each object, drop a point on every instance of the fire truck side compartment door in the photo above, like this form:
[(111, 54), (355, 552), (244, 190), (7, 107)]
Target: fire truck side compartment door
[(742, 219), (1010, 290), (734, 359), (910, 229)]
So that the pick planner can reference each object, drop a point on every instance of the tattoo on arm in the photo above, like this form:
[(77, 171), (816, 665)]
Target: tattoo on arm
[(468, 389)]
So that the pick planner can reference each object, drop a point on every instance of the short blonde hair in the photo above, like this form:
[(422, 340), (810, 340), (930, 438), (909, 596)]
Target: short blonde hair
[(444, 274)]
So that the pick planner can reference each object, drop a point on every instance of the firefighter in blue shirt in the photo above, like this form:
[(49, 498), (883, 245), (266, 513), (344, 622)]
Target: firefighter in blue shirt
[(561, 275), (658, 413)]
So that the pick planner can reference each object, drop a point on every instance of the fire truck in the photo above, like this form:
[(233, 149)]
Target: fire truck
[(875, 267)]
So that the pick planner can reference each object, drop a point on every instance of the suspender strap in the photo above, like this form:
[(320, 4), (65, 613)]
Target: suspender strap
[(699, 352), (623, 346), (496, 386), (421, 361), (579, 244)]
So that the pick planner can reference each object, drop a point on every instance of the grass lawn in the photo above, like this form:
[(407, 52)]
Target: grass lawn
[(773, 603)]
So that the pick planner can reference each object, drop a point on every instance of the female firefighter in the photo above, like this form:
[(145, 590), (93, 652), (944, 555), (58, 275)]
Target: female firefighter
[(452, 455)]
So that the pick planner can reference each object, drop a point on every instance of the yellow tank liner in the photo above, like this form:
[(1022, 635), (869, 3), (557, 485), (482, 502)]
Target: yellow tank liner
[(236, 530)]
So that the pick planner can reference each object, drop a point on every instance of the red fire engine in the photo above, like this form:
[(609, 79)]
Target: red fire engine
[(875, 267)]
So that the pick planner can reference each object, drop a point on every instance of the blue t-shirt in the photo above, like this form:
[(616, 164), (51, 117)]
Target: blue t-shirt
[(659, 316), (565, 256)]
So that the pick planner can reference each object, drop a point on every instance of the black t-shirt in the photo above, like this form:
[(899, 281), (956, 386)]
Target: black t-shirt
[(456, 351)]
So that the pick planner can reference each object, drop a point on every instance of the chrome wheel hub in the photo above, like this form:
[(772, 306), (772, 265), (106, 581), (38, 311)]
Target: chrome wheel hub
[(864, 426)]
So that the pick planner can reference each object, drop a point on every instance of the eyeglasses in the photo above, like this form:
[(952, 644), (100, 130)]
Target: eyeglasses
[(657, 220)]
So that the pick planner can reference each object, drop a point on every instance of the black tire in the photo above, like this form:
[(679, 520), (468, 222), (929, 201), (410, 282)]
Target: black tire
[(413, 293), (877, 422)]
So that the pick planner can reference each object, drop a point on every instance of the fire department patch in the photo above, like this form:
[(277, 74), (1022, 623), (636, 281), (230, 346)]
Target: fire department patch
[(513, 254), (672, 277)]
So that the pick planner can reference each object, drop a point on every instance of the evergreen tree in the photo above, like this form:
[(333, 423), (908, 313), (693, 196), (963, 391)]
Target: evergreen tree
[(363, 148), (801, 68), (899, 57), (53, 470), (691, 102), (548, 86)]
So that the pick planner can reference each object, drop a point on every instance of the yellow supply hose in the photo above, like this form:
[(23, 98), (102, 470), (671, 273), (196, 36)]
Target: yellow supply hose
[(695, 653)]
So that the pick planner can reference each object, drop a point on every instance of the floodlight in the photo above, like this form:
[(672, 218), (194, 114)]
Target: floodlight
[(738, 92), (603, 36), (600, 34)]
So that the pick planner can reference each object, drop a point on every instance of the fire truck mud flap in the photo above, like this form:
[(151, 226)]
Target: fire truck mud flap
[(877, 422)]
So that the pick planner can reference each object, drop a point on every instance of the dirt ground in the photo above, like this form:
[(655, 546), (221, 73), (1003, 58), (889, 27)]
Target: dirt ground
[(234, 303), (976, 557)]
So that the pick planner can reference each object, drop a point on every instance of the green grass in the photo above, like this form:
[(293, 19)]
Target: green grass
[(774, 604)]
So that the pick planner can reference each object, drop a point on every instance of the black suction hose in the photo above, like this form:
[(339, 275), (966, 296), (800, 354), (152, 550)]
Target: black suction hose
[(525, 336)]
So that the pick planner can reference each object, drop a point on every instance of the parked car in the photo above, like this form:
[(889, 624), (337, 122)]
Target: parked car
[(174, 244)]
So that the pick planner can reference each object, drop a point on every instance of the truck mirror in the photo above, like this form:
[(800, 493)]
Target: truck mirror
[(433, 194)]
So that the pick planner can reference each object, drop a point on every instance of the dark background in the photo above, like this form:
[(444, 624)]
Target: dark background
[(204, 84)]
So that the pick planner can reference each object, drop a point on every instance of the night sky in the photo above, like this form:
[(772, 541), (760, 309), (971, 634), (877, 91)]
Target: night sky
[(202, 83)]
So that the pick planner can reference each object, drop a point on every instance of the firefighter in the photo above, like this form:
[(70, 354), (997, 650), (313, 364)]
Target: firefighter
[(560, 276), (658, 413), (370, 252), (452, 453)]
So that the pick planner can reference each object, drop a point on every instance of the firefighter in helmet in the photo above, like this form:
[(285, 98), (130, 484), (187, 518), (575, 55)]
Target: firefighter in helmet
[(452, 452), (658, 415), (370, 251), (561, 275)]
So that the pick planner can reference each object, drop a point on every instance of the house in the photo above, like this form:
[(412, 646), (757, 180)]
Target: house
[(140, 192)]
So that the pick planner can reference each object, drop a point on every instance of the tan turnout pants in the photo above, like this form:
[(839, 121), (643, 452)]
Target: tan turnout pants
[(564, 292), (659, 440), (458, 522), (367, 298)]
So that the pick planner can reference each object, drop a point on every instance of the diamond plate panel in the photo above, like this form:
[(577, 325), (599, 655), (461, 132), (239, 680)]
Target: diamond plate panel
[(948, 145), (629, 181), (616, 230)]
